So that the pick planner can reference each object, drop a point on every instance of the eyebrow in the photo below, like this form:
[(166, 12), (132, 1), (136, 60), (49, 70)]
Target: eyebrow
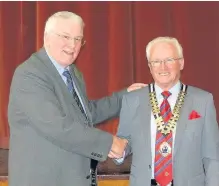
[(70, 34), (65, 33)]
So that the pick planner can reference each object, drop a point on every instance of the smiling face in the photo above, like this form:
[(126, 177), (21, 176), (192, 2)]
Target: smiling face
[(64, 42), (167, 73)]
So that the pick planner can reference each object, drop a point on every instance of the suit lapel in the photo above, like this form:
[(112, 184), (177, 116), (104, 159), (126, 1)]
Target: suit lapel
[(145, 121), (84, 100), (182, 122), (42, 55)]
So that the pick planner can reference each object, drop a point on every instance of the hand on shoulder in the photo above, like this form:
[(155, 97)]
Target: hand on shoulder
[(136, 86)]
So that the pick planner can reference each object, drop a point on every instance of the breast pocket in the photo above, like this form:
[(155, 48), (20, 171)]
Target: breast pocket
[(192, 136), (193, 122), (194, 128)]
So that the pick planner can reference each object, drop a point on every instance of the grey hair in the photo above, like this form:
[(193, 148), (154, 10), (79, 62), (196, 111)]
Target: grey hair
[(50, 23), (170, 40)]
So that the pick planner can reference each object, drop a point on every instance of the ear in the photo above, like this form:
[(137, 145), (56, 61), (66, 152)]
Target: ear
[(181, 63), (46, 37), (149, 66)]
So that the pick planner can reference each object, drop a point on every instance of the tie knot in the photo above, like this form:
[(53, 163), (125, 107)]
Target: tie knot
[(166, 94), (67, 74)]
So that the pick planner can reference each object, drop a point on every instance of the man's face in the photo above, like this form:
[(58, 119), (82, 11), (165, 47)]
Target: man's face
[(165, 74), (65, 41)]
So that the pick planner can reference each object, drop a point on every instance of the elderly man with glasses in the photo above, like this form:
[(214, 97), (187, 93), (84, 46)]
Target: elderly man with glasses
[(52, 138), (171, 127)]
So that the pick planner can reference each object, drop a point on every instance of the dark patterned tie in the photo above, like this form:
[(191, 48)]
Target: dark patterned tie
[(163, 147), (71, 88)]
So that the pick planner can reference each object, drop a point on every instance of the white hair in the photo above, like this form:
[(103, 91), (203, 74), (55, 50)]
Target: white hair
[(50, 23), (170, 40)]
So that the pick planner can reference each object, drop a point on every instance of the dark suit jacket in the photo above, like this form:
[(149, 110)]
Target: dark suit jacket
[(51, 142)]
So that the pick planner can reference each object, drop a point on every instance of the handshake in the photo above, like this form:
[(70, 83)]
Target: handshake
[(118, 147)]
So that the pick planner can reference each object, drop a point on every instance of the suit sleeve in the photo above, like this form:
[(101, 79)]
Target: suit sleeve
[(124, 128), (107, 107), (210, 144), (34, 96)]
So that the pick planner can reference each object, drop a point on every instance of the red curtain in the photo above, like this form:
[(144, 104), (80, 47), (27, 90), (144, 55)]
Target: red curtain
[(116, 35)]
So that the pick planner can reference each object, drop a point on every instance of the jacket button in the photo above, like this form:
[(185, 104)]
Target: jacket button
[(88, 177)]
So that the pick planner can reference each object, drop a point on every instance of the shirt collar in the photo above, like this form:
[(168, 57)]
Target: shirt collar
[(174, 90), (59, 68)]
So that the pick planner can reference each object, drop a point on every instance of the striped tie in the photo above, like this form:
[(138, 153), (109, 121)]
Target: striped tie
[(163, 147), (71, 88)]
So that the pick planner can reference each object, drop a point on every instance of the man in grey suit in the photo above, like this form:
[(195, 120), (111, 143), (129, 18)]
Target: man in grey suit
[(52, 138), (171, 128)]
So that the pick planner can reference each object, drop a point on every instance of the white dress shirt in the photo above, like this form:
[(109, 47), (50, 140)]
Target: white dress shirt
[(172, 100)]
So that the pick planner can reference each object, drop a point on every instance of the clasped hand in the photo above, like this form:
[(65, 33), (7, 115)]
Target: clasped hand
[(118, 147)]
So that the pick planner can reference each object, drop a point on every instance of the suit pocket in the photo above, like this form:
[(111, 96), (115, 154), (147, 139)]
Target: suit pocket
[(197, 180), (195, 122), (196, 119), (194, 128)]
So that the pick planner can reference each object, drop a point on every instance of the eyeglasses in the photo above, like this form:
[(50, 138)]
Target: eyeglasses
[(77, 40), (168, 62)]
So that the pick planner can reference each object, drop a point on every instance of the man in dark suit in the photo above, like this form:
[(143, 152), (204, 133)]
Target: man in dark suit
[(171, 127), (52, 138)]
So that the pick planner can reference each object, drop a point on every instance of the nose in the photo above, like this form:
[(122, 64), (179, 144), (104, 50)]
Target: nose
[(71, 43), (163, 65)]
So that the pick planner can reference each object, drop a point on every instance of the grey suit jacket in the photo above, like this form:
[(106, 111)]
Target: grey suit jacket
[(51, 142), (196, 148)]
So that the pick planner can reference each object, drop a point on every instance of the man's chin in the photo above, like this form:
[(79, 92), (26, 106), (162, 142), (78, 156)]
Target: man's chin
[(69, 62), (164, 84)]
